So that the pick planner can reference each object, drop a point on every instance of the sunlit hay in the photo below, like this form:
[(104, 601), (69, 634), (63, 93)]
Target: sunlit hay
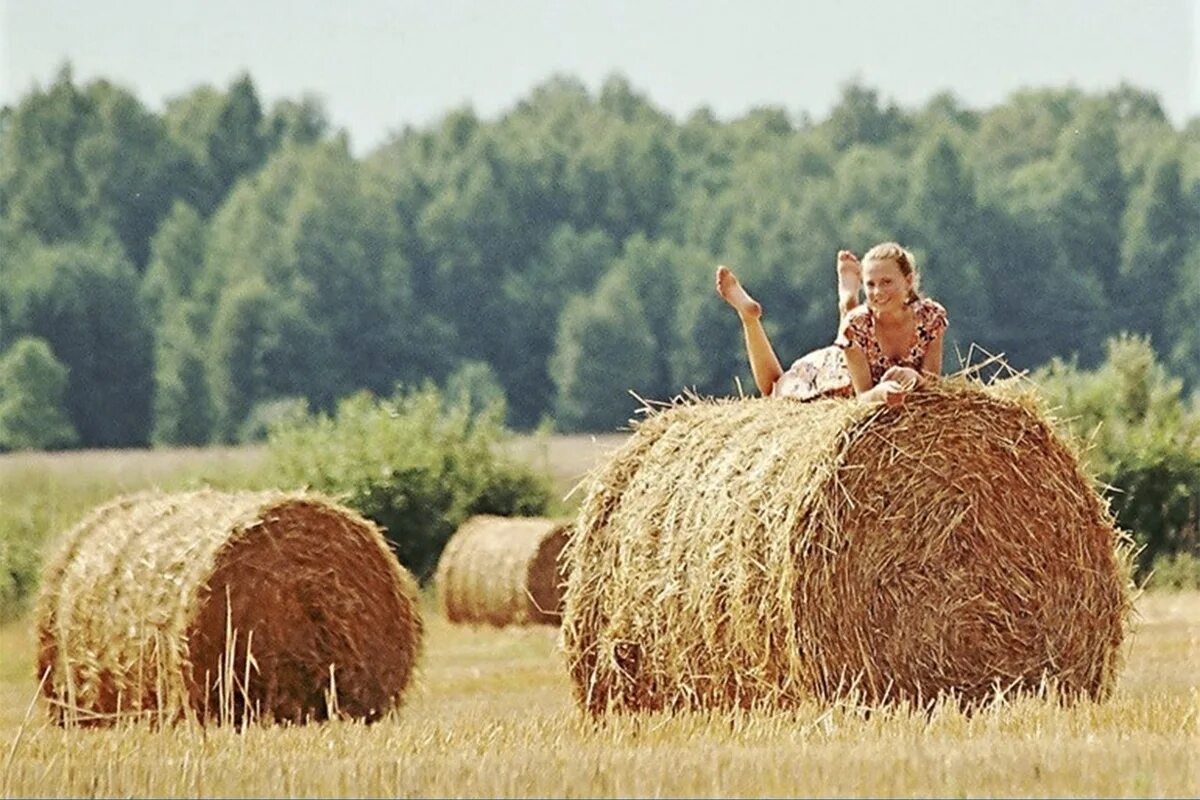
[(225, 607), (503, 571), (755, 552)]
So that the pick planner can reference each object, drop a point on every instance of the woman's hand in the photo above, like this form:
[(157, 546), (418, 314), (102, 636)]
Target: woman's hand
[(886, 391), (905, 376)]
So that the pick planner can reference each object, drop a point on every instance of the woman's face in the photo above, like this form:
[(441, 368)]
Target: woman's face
[(887, 287)]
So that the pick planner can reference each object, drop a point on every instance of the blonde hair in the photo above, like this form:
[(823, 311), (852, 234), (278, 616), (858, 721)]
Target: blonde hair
[(903, 258)]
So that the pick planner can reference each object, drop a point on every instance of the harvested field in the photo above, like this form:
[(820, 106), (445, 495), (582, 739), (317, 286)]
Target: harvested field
[(490, 713), (503, 571), (210, 605), (753, 552)]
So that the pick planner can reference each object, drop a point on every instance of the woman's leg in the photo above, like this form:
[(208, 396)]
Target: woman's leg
[(763, 361), (849, 275)]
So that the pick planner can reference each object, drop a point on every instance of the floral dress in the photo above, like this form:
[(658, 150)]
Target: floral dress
[(823, 373)]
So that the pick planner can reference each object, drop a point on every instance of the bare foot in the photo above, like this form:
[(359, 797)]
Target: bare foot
[(733, 293), (849, 273)]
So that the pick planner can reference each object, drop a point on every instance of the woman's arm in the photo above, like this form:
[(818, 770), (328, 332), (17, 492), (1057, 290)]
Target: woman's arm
[(887, 391), (931, 364), (860, 371)]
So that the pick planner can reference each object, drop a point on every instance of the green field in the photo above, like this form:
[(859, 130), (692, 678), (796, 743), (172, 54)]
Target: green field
[(491, 711)]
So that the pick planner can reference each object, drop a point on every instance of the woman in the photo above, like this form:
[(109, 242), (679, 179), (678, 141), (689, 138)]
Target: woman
[(883, 349)]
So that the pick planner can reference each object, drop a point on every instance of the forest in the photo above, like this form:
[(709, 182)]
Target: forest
[(192, 276)]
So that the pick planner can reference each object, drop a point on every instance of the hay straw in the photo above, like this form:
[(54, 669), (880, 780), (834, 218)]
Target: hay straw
[(749, 552), (222, 607), (503, 571)]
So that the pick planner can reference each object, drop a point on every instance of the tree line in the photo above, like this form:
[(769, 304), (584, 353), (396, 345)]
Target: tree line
[(186, 277)]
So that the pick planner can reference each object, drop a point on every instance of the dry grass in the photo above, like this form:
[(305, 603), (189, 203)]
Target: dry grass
[(491, 715)]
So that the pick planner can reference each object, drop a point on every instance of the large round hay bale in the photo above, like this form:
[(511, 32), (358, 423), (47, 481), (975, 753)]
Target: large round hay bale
[(759, 552), (209, 605), (503, 571)]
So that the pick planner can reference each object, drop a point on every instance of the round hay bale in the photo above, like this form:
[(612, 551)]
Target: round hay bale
[(503, 571), (758, 552), (211, 605)]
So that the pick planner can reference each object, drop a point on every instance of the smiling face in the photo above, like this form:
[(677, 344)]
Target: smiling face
[(888, 288)]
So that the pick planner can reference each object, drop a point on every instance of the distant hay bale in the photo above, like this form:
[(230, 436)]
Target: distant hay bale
[(757, 552), (503, 571), (133, 618)]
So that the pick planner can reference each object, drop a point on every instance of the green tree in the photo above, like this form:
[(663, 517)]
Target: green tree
[(1089, 200), (237, 144), (944, 110), (1039, 306), (942, 224), (225, 137), (1023, 130), (859, 118), (412, 168), (130, 168), (331, 304), (659, 274), (1156, 230), (621, 179), (605, 349), (620, 99), (296, 122), (40, 182), (84, 301), (176, 260), (72, 161), (870, 190), (570, 263), (263, 347), (1182, 339), (16, 247), (32, 385), (1049, 283), (183, 408), (236, 374), (711, 358), (778, 224), (470, 231)]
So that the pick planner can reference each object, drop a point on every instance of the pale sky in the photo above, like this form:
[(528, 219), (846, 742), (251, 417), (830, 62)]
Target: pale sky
[(381, 64)]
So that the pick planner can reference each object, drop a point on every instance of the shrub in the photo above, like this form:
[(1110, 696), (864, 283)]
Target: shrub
[(1144, 442), (1176, 571), (19, 565), (476, 384), (415, 464), (271, 414)]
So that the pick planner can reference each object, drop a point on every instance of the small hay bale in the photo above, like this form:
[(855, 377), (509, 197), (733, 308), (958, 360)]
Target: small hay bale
[(149, 606), (503, 571), (756, 552)]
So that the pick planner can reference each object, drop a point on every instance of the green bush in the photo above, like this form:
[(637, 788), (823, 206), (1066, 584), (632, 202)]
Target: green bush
[(414, 464), (1176, 571), (271, 414), (19, 566), (1142, 440)]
